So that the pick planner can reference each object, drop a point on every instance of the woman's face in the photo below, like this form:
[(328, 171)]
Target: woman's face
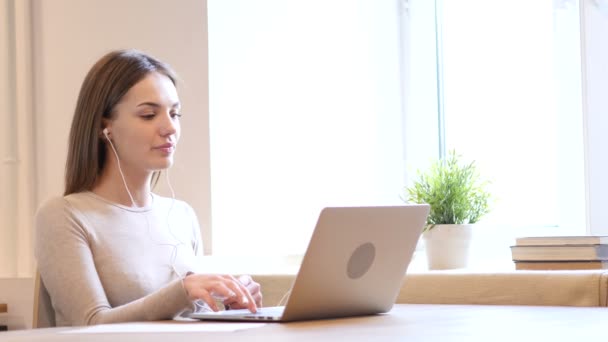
[(145, 125)]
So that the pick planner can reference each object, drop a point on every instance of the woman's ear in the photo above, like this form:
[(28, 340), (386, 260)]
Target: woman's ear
[(105, 132)]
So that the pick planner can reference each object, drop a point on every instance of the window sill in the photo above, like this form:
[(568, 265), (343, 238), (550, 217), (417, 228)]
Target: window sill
[(490, 252), (289, 265)]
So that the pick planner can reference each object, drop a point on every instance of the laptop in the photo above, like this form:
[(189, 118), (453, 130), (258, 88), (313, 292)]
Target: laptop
[(354, 265)]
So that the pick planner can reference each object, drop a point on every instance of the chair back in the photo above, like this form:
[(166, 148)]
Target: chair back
[(44, 314)]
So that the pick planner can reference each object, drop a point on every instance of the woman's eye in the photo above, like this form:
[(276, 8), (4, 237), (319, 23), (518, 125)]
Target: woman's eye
[(176, 115), (148, 116)]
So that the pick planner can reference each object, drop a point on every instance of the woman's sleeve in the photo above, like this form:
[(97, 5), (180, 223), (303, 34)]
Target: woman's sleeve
[(66, 266)]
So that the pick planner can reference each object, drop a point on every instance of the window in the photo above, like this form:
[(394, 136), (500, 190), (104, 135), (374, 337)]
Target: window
[(316, 103), (511, 81), (305, 112)]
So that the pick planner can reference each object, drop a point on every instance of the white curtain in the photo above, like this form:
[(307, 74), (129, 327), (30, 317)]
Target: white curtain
[(17, 171)]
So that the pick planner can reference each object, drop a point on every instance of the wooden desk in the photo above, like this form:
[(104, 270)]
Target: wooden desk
[(404, 323)]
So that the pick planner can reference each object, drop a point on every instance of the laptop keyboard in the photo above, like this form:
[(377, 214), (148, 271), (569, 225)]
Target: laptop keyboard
[(268, 313)]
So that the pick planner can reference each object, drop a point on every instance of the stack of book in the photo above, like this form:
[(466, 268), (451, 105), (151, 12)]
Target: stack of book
[(560, 253)]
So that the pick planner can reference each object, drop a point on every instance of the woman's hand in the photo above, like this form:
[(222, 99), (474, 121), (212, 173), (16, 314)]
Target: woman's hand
[(207, 287), (253, 288)]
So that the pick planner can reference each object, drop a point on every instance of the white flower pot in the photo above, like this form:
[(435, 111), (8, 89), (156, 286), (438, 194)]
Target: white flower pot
[(447, 246)]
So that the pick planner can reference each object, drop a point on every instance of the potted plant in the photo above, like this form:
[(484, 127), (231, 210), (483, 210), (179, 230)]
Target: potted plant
[(458, 199)]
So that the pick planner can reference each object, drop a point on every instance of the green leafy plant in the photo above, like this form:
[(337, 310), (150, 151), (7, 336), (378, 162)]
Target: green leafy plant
[(454, 191)]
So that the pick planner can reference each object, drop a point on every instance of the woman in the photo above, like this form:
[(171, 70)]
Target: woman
[(110, 250)]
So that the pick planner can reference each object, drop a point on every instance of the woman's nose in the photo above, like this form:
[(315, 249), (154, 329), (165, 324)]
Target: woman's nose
[(169, 126)]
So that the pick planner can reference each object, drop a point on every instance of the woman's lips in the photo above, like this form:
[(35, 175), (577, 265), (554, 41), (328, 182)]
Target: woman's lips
[(166, 148)]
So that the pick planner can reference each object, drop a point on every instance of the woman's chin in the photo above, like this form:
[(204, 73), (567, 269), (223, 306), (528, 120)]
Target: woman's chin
[(163, 164)]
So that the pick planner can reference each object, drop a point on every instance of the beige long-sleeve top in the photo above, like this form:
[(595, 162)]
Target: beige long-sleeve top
[(103, 262)]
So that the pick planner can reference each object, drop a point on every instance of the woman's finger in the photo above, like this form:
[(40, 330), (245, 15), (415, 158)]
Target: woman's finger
[(223, 287), (207, 298), (253, 288), (245, 280), (204, 295), (246, 300)]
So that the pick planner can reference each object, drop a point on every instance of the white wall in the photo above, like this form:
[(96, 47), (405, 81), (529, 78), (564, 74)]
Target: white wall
[(70, 35)]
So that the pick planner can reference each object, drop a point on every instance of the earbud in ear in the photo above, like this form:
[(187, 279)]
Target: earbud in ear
[(106, 132)]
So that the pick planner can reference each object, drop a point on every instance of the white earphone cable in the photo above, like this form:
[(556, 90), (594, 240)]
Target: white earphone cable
[(179, 242), (284, 298), (119, 168)]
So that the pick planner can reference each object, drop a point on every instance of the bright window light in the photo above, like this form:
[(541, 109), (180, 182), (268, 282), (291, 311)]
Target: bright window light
[(305, 112), (512, 100)]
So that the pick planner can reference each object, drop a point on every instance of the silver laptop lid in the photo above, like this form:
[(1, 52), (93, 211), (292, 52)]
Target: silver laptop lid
[(356, 261)]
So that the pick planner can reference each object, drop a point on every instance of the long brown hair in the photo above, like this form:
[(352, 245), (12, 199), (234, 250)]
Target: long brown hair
[(103, 87)]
